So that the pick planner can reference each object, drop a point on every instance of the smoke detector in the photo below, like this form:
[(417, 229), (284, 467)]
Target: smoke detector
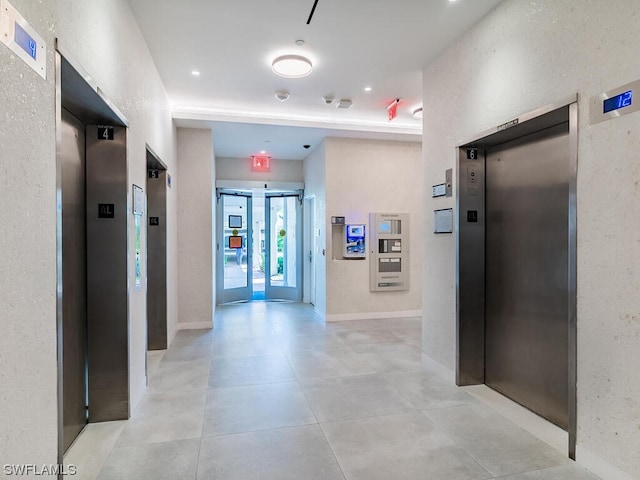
[(282, 95), (344, 103)]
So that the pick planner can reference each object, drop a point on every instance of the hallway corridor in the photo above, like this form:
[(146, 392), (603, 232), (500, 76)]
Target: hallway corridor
[(274, 393)]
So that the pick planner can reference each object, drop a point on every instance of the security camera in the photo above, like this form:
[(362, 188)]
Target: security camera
[(307, 146)]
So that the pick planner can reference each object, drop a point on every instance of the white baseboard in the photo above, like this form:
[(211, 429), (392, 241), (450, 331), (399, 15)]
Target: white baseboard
[(340, 317), (600, 467), (194, 325)]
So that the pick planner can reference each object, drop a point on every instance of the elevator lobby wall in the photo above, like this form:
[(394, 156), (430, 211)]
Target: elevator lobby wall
[(365, 176), (522, 56), (196, 224), (28, 375), (106, 41)]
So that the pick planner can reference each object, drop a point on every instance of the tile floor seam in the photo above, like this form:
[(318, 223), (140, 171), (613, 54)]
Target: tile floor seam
[(344, 475)]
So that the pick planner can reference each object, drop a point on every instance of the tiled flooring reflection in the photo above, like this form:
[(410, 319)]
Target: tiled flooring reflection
[(272, 393)]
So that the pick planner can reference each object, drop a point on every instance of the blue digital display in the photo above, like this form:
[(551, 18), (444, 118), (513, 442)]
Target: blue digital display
[(617, 102), (25, 41)]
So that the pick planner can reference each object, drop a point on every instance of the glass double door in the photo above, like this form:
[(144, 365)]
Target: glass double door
[(258, 246)]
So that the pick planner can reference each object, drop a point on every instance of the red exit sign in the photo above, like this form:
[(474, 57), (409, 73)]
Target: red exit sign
[(392, 109), (260, 163)]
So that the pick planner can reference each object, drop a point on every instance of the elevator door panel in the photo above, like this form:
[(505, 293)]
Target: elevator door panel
[(527, 237), (74, 278)]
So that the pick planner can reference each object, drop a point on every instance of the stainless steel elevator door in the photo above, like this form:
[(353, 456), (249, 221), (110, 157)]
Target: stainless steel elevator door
[(74, 278), (527, 238)]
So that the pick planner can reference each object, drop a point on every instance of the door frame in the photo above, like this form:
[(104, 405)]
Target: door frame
[(276, 292), (309, 250), (470, 321), (86, 97), (241, 294)]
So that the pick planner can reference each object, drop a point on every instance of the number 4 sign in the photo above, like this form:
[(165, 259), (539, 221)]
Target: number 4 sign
[(105, 132)]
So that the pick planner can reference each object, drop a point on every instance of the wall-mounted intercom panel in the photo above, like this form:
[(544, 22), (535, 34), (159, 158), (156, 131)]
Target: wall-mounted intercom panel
[(355, 242), (389, 251)]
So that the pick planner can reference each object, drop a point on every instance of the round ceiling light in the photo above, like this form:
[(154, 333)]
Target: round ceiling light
[(292, 66), (417, 113)]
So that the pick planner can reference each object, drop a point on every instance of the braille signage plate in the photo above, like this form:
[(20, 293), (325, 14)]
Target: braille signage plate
[(106, 210)]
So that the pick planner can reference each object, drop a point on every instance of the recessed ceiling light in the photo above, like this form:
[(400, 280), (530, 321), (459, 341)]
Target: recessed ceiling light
[(299, 43), (195, 73), (263, 151), (367, 89), (292, 66), (417, 113)]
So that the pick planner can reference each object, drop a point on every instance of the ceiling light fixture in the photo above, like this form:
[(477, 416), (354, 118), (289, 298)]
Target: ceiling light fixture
[(292, 66), (417, 113), (367, 89), (195, 73)]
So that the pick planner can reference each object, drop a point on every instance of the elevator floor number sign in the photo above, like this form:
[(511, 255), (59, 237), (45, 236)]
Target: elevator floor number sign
[(105, 132)]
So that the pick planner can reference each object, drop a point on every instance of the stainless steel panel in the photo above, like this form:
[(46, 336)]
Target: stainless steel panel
[(107, 279), (470, 270), (71, 156), (157, 260), (527, 205), (572, 274)]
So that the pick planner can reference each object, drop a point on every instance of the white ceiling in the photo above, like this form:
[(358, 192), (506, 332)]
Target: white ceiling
[(352, 43)]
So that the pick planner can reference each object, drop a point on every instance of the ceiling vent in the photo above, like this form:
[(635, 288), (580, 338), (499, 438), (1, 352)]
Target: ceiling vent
[(344, 103)]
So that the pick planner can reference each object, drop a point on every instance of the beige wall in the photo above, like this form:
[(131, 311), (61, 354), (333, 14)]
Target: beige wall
[(520, 57), (195, 228), (365, 176), (240, 169), (315, 185)]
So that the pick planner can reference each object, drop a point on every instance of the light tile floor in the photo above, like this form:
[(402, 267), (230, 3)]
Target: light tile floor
[(274, 393)]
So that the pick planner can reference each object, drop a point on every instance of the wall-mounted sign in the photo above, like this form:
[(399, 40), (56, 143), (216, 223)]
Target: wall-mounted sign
[(138, 200), (439, 190), (472, 153), (154, 221), (261, 163), (105, 132), (168, 180), (392, 109), (509, 124), (106, 210), (337, 220), (22, 39), (443, 221), (154, 174)]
